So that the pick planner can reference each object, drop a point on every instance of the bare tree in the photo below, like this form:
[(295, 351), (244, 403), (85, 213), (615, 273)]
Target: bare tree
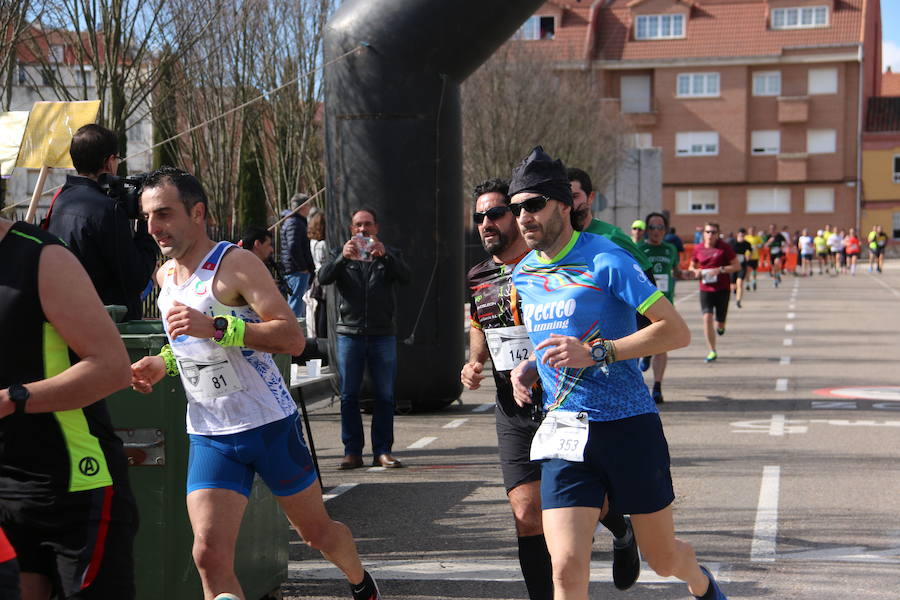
[(113, 50), (290, 140), (518, 100), (13, 25)]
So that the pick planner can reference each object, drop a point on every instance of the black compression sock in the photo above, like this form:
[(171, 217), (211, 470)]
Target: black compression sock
[(710, 593), (615, 522), (536, 567), (657, 386)]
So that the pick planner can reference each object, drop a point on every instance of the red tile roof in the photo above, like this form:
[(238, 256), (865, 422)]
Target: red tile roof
[(718, 28), (890, 83)]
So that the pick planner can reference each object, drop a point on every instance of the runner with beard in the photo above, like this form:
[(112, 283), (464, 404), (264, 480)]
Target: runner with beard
[(497, 332), (602, 439)]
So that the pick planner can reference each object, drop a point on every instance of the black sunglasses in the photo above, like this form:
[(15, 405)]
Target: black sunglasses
[(711, 231), (492, 213), (656, 227), (532, 205)]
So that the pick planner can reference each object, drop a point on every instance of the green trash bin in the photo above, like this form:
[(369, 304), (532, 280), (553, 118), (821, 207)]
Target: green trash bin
[(153, 430)]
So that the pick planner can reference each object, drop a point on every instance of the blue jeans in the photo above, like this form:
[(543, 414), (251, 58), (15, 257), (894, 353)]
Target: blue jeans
[(379, 353), (297, 282)]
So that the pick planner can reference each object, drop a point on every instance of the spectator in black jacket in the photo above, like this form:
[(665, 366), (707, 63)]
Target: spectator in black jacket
[(366, 272), (296, 258), (119, 258)]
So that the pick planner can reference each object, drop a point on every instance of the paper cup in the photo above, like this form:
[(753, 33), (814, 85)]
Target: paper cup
[(313, 367)]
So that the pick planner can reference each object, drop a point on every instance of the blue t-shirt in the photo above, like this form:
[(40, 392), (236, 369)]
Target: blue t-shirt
[(590, 290)]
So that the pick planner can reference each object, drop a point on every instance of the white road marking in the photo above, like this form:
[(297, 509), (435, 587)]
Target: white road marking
[(454, 423), (776, 425), (785, 360), (683, 298), (421, 443), (337, 491), (884, 285), (483, 407), (791, 315), (765, 531), (792, 306), (851, 554), (788, 342), (781, 384), (507, 570), (789, 327)]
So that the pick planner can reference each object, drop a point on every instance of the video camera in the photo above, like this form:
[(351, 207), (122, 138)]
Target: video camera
[(126, 191)]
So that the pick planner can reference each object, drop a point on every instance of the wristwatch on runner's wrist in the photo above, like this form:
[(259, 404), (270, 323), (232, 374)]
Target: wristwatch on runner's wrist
[(598, 352), (220, 324), (18, 395)]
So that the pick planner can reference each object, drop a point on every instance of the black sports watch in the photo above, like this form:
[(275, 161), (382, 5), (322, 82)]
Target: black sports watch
[(220, 324), (598, 352), (19, 395)]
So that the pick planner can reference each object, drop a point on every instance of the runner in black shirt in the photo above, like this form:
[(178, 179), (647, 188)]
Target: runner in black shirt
[(497, 333), (743, 250), (65, 502)]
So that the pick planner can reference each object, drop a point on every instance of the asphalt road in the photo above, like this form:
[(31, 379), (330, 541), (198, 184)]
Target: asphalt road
[(785, 487)]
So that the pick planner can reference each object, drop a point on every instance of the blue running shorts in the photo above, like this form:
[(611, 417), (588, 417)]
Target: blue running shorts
[(276, 451), (627, 459)]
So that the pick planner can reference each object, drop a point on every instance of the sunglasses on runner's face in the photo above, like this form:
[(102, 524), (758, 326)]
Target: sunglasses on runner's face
[(712, 231), (656, 227), (492, 213), (531, 205)]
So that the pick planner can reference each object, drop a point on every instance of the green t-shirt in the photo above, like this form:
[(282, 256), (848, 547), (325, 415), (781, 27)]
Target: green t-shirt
[(618, 237), (664, 259)]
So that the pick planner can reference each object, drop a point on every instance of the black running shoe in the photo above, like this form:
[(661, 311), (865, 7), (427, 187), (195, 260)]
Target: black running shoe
[(626, 561), (657, 396), (367, 590)]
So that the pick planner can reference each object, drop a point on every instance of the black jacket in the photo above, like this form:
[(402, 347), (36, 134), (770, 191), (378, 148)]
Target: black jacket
[(119, 261), (295, 253), (367, 300)]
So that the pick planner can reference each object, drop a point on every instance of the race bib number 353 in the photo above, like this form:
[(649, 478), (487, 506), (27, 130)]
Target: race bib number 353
[(561, 435)]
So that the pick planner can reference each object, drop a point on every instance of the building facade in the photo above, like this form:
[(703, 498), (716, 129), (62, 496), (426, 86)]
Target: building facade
[(757, 105)]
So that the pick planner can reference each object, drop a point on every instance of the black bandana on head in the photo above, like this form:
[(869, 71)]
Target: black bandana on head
[(540, 174)]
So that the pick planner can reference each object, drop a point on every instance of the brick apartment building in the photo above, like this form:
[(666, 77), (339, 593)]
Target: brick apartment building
[(757, 105)]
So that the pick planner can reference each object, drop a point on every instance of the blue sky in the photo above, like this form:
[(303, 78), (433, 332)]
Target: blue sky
[(890, 34)]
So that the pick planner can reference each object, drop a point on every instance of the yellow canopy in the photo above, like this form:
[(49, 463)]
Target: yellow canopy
[(49, 132)]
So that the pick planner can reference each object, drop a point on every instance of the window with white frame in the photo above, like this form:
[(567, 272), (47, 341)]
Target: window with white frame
[(57, 53), (818, 200), (765, 142), (639, 140), (822, 81), (800, 17), (767, 83), (697, 202), (697, 143), (658, 27), (537, 28), (698, 85), (821, 141), (897, 168), (768, 201), (895, 225)]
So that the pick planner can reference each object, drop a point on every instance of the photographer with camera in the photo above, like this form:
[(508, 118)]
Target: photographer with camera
[(95, 221)]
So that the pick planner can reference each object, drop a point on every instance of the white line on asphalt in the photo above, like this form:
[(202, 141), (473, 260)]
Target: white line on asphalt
[(683, 298), (884, 285), (766, 529), (781, 385), (469, 570), (789, 327), (454, 423), (791, 315), (776, 425), (421, 443), (483, 407), (792, 306), (785, 360), (337, 491), (788, 342)]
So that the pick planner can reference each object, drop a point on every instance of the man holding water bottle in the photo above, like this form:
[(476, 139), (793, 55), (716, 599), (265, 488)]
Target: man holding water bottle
[(366, 273)]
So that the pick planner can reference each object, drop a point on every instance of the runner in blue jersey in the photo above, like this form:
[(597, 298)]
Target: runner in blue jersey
[(602, 436)]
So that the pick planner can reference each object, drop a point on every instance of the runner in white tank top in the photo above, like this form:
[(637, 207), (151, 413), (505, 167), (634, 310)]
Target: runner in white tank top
[(229, 389), (224, 318)]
